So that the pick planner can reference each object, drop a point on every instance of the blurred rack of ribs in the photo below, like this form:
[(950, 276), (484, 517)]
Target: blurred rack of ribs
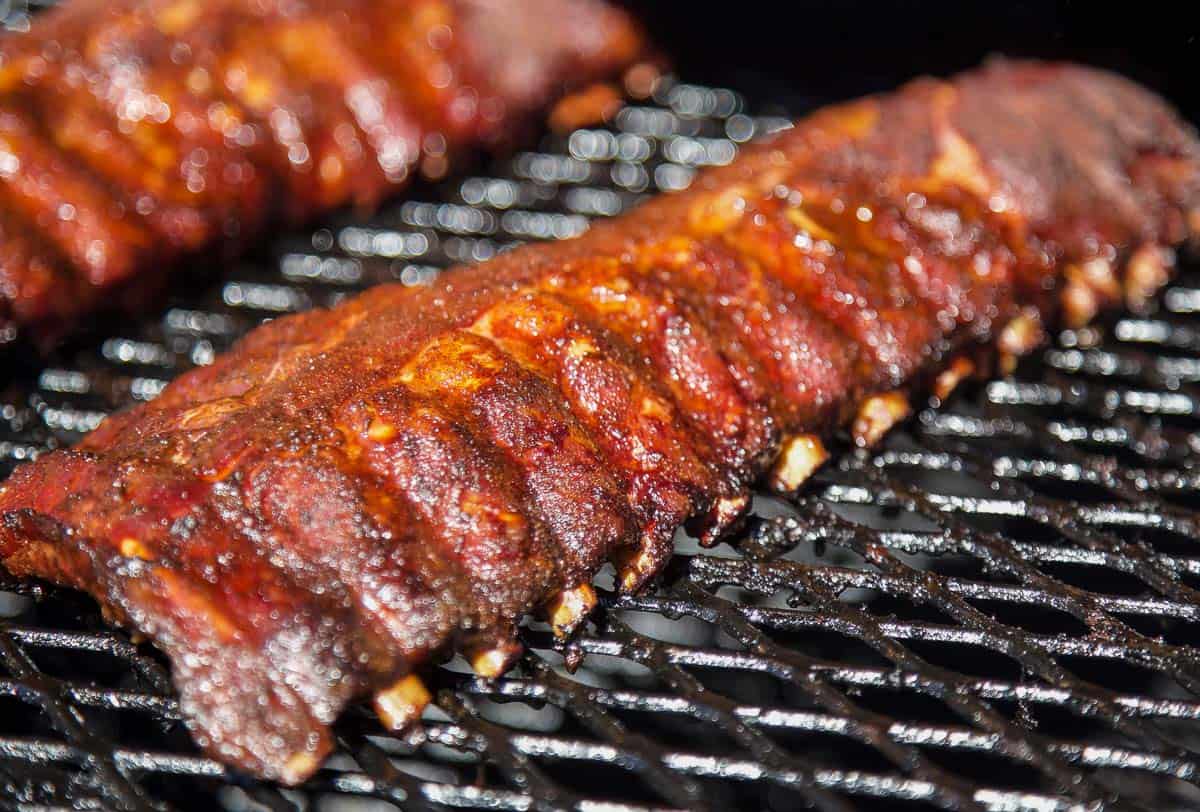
[(138, 132)]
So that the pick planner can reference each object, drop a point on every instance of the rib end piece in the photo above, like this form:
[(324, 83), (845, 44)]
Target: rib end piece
[(947, 381), (799, 458), (402, 704), (1019, 337), (1147, 271), (877, 415), (722, 519), (492, 661), (569, 608)]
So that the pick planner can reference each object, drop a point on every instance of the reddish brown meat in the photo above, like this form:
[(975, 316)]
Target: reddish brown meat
[(349, 491), (136, 132)]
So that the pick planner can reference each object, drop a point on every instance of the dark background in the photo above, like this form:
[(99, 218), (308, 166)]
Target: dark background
[(813, 51)]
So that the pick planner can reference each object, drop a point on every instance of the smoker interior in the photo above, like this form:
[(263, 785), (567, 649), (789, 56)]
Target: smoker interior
[(997, 609)]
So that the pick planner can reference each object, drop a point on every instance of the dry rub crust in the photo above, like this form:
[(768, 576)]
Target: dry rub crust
[(309, 518)]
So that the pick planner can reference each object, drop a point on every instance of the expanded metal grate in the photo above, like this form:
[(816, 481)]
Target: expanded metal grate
[(997, 610)]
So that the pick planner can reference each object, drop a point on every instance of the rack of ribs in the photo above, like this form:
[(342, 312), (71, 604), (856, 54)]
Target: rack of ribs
[(351, 491), (135, 134)]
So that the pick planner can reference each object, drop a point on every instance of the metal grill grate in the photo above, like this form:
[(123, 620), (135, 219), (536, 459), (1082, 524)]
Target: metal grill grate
[(997, 610)]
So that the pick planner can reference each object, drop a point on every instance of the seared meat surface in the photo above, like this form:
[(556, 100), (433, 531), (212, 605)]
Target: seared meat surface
[(138, 132), (349, 491)]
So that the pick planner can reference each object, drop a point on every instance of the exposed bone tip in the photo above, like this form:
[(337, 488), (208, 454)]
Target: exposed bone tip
[(569, 608), (1080, 305), (1090, 286), (959, 370), (494, 661), (636, 566), (722, 517), (799, 458), (1018, 338), (1099, 273), (1146, 272), (299, 767), (877, 415), (402, 704)]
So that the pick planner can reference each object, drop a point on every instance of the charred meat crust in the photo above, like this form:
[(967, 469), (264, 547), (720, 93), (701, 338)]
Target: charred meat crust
[(348, 492)]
